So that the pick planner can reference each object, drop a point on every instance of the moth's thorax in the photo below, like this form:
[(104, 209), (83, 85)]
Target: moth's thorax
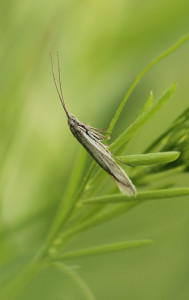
[(72, 121), (73, 124)]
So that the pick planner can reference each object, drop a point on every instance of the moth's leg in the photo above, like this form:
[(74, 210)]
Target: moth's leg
[(99, 129), (101, 135), (121, 161), (96, 135)]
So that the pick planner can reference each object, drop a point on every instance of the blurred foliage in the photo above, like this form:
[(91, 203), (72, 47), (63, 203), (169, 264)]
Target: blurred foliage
[(103, 45)]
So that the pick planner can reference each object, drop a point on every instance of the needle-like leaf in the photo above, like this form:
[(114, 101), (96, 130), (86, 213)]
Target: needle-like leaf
[(150, 158), (104, 249), (141, 196)]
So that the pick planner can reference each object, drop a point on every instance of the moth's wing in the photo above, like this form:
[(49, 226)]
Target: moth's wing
[(122, 180), (98, 129), (91, 142), (104, 158), (127, 188), (96, 135)]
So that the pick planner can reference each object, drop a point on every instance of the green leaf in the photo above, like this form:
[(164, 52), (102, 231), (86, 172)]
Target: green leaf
[(131, 131), (141, 196), (141, 74), (104, 249), (150, 158)]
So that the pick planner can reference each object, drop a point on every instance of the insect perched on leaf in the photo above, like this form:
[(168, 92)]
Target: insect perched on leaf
[(91, 139)]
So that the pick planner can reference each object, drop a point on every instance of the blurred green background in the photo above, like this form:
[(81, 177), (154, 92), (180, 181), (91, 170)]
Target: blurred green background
[(102, 46)]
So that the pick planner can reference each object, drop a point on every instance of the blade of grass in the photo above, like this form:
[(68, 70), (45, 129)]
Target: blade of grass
[(109, 248), (150, 158), (131, 131), (141, 74), (141, 196)]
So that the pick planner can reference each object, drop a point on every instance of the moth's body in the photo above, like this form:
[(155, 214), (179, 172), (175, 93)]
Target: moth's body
[(91, 140)]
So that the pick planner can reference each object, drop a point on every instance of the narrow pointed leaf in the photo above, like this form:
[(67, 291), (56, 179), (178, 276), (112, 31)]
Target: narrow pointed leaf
[(150, 158), (105, 249), (141, 196)]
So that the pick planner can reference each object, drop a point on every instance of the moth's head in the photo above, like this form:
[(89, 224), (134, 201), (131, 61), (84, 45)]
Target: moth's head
[(72, 120)]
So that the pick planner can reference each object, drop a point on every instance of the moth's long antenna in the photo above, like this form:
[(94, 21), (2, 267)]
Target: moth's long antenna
[(59, 76), (60, 94)]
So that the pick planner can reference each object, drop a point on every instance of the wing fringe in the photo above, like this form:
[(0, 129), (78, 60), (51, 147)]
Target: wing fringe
[(127, 189)]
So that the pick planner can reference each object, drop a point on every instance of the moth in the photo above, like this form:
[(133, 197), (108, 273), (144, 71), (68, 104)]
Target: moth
[(92, 140)]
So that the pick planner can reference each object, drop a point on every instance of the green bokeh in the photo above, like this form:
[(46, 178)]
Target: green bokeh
[(102, 46)]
